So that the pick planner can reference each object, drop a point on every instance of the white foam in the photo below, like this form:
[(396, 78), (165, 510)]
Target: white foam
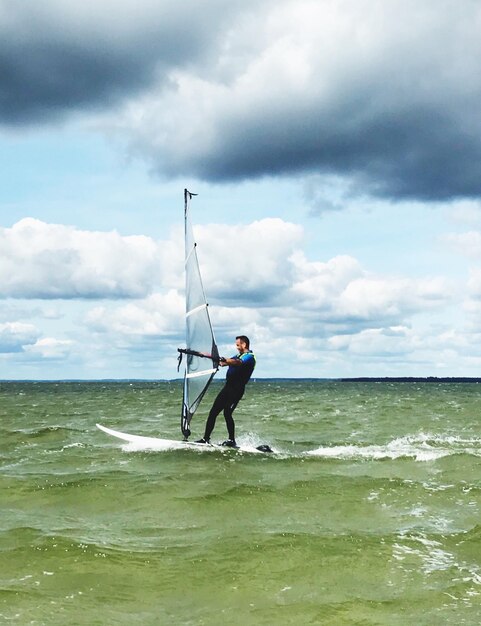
[(421, 447), (431, 559)]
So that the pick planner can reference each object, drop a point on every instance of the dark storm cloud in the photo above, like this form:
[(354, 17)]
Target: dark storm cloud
[(59, 57), (383, 94), (425, 154)]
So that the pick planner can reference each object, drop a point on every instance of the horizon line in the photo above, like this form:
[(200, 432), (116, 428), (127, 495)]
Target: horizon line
[(260, 379)]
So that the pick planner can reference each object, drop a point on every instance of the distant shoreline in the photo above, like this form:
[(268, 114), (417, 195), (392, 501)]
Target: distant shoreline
[(414, 379)]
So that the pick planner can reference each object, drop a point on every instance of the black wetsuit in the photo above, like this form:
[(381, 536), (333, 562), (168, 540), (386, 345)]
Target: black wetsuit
[(228, 398)]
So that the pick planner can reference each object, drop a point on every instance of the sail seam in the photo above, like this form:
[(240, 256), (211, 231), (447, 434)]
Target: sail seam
[(198, 374), (187, 258), (197, 308)]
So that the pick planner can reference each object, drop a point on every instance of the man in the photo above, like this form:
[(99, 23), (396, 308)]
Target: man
[(240, 370)]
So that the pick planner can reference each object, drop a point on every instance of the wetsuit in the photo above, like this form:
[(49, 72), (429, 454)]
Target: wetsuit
[(228, 398)]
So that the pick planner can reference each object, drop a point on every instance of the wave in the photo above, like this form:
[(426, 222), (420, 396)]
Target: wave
[(44, 431), (433, 554), (421, 447)]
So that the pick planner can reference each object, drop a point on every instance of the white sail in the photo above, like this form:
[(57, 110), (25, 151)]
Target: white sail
[(202, 356)]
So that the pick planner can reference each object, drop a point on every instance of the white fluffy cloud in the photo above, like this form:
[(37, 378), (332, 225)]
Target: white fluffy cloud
[(342, 293), (468, 244), (381, 342), (249, 262), (49, 348), (474, 283), (40, 260), (14, 336), (54, 261), (258, 281), (472, 307), (158, 315)]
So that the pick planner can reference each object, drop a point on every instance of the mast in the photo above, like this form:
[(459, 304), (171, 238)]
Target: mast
[(202, 355)]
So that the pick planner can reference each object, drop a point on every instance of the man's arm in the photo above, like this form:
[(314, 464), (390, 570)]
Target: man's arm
[(236, 360), (233, 361)]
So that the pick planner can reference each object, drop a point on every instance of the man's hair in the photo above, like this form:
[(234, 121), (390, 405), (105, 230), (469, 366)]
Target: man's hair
[(245, 340)]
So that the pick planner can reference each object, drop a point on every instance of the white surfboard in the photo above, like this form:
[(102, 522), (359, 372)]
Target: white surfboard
[(139, 442)]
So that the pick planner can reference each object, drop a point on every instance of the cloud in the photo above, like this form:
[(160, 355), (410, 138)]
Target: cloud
[(474, 283), (468, 244), (380, 98), (382, 95), (380, 342), (49, 348), (58, 57), (15, 336), (41, 260), (12, 310), (466, 211), (249, 262), (159, 315), (343, 295), (257, 267), (259, 282), (54, 261)]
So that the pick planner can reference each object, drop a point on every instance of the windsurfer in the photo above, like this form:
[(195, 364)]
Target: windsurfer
[(240, 370)]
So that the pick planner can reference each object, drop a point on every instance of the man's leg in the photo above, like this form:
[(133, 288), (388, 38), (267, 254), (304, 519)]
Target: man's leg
[(229, 420), (219, 404)]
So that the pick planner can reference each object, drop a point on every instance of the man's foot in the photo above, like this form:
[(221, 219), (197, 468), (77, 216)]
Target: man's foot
[(230, 443), (202, 440)]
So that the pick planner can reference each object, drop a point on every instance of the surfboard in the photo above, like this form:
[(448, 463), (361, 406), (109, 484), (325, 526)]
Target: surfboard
[(139, 442)]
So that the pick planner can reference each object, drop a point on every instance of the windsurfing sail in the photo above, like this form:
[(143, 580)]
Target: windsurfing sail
[(202, 355)]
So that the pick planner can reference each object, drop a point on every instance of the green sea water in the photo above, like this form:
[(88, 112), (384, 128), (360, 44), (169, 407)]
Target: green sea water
[(368, 514)]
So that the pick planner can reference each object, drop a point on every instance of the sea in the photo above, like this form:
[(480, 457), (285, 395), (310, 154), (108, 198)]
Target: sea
[(367, 513)]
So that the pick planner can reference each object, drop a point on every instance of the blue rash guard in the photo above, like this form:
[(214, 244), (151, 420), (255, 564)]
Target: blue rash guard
[(239, 375)]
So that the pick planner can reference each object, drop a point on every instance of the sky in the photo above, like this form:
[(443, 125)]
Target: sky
[(336, 149)]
